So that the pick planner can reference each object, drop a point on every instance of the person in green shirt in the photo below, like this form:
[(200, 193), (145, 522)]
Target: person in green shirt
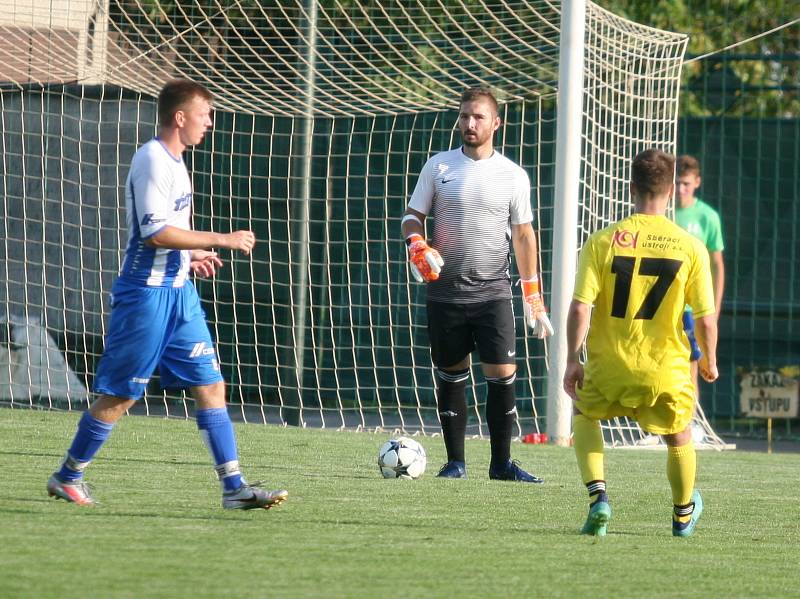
[(702, 221)]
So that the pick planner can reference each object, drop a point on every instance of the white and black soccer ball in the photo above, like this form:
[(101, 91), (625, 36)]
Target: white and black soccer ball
[(402, 458)]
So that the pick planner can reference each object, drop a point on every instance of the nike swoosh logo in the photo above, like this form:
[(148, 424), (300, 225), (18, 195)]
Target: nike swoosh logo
[(249, 500), (511, 354), (447, 180)]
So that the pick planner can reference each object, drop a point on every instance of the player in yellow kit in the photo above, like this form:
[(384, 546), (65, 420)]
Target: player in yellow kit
[(638, 274)]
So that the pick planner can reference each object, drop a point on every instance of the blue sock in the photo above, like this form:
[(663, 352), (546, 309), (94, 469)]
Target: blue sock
[(89, 438), (216, 429)]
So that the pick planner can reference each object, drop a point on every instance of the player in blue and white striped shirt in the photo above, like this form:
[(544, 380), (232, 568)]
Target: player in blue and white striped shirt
[(156, 317)]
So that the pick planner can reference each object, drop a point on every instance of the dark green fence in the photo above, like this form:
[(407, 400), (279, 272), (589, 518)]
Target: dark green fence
[(364, 330), (751, 175), (362, 171)]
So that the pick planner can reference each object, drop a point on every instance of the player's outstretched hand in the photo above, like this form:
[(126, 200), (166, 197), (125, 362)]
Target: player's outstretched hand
[(240, 240), (573, 378), (204, 263), (535, 310), (424, 261), (709, 372)]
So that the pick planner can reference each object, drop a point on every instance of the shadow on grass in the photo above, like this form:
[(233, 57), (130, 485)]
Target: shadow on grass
[(98, 512), (246, 517), (58, 456), (249, 466)]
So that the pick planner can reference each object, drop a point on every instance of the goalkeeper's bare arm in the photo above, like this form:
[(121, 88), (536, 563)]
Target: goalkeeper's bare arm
[(413, 223), (526, 254)]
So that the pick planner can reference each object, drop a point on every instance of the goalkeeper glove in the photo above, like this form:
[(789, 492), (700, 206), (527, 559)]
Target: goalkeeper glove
[(535, 311), (424, 261)]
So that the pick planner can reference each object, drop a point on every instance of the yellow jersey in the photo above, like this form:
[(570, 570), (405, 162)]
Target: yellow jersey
[(639, 273)]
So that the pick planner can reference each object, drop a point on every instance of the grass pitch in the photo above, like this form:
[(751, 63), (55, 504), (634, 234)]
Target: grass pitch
[(346, 532)]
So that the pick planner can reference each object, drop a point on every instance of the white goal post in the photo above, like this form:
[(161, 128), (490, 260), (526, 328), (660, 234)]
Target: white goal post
[(326, 111)]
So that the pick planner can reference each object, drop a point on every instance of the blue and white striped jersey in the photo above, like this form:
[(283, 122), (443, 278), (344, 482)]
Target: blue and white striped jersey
[(473, 204), (158, 192)]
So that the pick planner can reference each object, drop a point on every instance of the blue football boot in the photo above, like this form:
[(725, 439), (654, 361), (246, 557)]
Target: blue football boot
[(511, 471), (685, 529), (597, 520), (453, 470)]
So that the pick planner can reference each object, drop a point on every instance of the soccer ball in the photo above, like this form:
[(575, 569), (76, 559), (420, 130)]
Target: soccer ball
[(402, 458)]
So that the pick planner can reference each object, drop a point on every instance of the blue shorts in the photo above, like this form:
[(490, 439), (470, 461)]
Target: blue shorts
[(156, 327), (688, 328)]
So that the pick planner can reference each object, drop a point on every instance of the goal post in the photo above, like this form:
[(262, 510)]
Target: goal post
[(325, 114), (618, 95), (565, 207)]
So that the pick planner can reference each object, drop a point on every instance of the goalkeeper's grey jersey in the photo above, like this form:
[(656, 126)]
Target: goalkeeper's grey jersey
[(473, 204)]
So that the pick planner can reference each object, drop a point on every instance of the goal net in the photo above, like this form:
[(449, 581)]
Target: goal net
[(325, 113)]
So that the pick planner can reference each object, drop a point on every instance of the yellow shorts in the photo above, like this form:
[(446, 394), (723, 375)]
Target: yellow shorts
[(659, 413)]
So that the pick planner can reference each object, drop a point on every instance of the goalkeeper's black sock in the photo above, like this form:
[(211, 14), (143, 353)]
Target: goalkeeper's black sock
[(452, 399), (501, 411), (597, 491)]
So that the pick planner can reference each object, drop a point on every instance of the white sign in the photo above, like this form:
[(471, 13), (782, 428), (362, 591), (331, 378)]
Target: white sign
[(769, 394)]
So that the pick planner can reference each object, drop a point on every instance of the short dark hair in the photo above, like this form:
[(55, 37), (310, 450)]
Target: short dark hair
[(652, 172), (480, 93), (175, 95), (687, 165)]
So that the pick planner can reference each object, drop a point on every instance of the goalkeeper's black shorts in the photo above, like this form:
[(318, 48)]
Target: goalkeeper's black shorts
[(456, 330)]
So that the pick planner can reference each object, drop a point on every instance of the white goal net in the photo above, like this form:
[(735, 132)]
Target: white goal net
[(326, 112)]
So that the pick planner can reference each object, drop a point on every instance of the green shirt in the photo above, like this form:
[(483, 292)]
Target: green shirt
[(702, 221)]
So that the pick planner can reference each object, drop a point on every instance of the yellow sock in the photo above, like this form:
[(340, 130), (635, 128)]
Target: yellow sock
[(588, 442), (681, 471)]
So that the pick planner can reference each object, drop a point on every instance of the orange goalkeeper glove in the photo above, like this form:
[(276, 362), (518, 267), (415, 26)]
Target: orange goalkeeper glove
[(535, 311), (424, 261)]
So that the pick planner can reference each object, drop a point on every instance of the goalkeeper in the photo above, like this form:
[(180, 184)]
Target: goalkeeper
[(480, 201)]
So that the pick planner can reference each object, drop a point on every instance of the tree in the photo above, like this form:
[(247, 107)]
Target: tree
[(758, 78)]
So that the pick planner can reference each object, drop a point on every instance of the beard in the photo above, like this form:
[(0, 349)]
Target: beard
[(472, 142)]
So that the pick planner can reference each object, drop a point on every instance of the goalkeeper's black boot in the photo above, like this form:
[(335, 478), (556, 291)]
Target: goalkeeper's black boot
[(453, 470), (511, 471)]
